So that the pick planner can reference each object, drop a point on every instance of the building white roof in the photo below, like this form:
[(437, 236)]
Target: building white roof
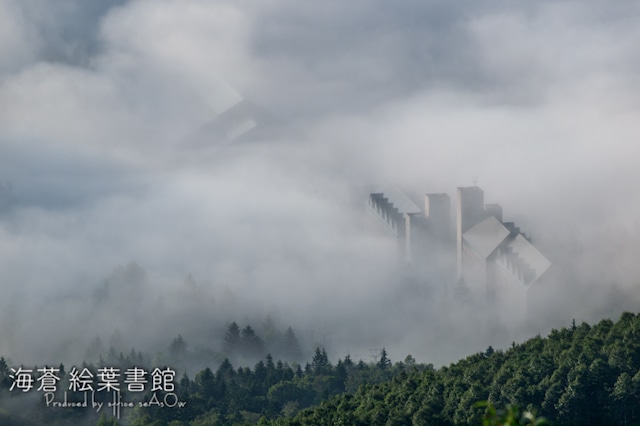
[(527, 252), (399, 200), (486, 236)]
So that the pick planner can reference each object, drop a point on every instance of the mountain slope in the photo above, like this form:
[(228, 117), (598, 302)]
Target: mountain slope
[(584, 375)]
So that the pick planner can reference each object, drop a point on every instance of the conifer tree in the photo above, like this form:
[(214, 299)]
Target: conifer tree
[(291, 345), (384, 361), (232, 338), (320, 362), (251, 343), (178, 347)]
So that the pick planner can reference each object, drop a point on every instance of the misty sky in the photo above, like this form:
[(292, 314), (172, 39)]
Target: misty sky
[(536, 101)]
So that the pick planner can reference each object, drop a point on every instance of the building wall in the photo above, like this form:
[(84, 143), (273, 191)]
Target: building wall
[(494, 210), (415, 235), (384, 219), (509, 293), (474, 272), (437, 210), (426, 243), (470, 211)]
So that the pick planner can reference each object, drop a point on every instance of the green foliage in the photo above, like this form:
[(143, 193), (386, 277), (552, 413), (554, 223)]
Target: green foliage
[(232, 338), (291, 345), (250, 343), (581, 375), (105, 420), (384, 362), (510, 416), (320, 363), (4, 374), (178, 347)]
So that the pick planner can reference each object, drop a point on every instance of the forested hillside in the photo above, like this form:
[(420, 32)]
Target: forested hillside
[(584, 375), (230, 394)]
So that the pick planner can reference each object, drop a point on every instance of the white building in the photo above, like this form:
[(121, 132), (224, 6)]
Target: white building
[(496, 263)]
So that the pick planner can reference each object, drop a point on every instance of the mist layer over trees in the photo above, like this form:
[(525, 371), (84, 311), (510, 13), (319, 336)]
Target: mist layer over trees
[(115, 224)]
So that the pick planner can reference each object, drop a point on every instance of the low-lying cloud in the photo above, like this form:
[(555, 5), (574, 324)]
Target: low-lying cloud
[(534, 102)]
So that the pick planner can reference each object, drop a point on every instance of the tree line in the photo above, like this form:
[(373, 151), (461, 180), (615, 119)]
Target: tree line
[(580, 375)]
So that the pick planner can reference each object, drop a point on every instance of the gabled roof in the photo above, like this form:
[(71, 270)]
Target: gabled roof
[(486, 236), (529, 254)]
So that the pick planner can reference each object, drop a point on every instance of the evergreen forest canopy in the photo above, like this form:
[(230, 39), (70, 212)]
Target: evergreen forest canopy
[(582, 375)]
